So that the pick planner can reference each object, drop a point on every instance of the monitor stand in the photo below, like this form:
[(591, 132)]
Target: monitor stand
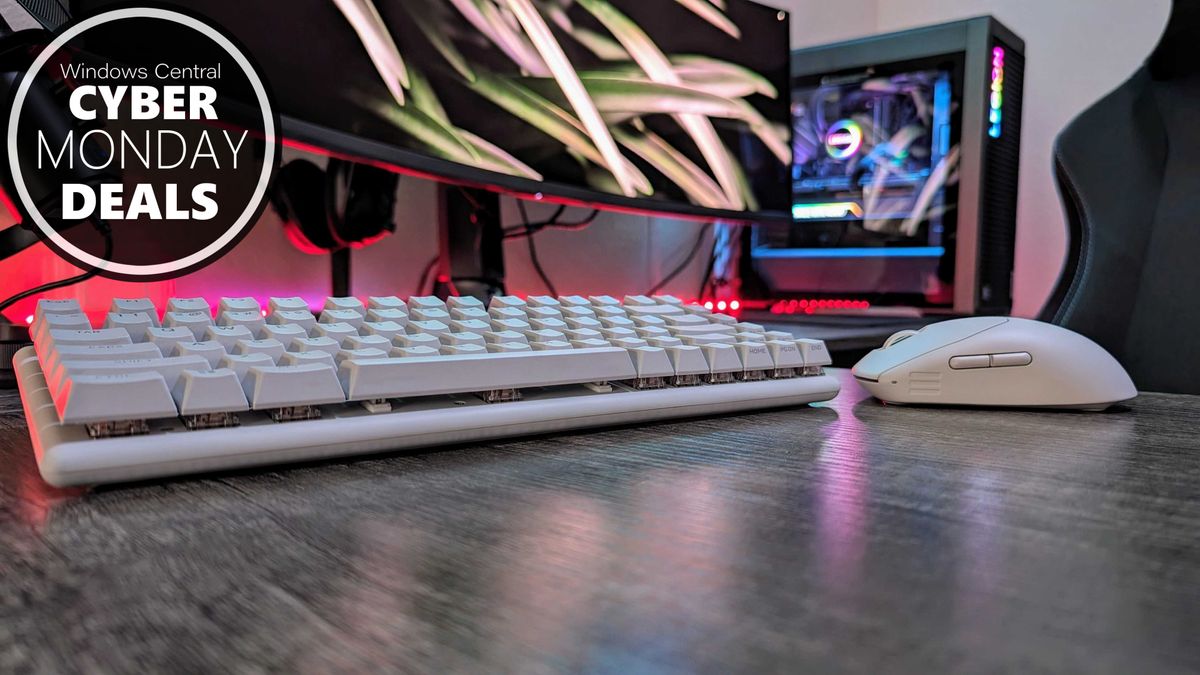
[(470, 243)]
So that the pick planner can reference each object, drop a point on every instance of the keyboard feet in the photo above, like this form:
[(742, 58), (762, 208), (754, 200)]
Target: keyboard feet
[(499, 395), (122, 428), (295, 413), (377, 405), (218, 420)]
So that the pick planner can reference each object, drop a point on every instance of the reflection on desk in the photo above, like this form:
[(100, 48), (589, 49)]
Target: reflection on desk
[(849, 537)]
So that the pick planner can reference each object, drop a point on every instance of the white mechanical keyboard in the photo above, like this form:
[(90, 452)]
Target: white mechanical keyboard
[(198, 388)]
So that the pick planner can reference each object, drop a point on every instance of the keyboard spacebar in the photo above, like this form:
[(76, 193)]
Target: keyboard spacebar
[(368, 379)]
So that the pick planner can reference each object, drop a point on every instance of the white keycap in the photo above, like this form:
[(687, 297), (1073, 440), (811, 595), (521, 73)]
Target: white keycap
[(687, 360), (754, 356), (345, 303), (722, 358), (575, 301), (270, 346), (428, 327), (244, 304), (133, 306), (384, 329), (398, 316), (367, 353), (668, 300), (250, 319), (617, 322), (346, 316), (464, 313), (583, 334), (609, 310), (519, 325), (270, 387), (628, 343), (166, 338), (77, 321), (429, 314), (589, 343), (367, 342), (702, 329), (504, 337), (745, 327), (709, 339), (386, 302), (292, 304), (470, 326), (241, 364), (414, 352), (813, 352), (509, 347), (110, 398), (285, 333), (451, 350), (500, 301), (418, 340), (543, 313), (301, 317), (550, 345), (664, 341), (548, 324), (507, 313), (103, 336), (198, 393), (211, 350), (700, 310), (651, 362), (778, 335), (334, 331), (187, 305), (398, 378), (603, 300), (170, 368), (724, 320), (654, 310), (648, 320), (464, 302), (573, 312), (459, 339), (646, 332), (316, 344), (55, 367), (425, 302), (785, 354), (544, 336), (639, 300), (228, 336), (47, 306), (193, 321), (617, 333), (583, 322), (544, 301), (757, 338), (303, 358), (686, 320)]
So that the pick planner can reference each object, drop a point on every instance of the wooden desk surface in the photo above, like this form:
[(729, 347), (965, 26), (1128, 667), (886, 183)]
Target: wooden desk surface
[(844, 538)]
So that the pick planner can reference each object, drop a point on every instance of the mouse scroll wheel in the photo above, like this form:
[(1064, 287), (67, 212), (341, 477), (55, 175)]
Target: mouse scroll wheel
[(897, 337)]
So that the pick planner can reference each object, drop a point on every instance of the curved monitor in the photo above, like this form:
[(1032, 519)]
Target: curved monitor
[(670, 106)]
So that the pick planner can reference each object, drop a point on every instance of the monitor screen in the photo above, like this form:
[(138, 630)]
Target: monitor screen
[(875, 176), (676, 107)]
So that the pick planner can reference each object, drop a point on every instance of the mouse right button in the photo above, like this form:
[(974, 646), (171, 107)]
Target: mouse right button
[(1011, 359)]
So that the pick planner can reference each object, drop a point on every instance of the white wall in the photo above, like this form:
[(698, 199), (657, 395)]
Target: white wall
[(1076, 51)]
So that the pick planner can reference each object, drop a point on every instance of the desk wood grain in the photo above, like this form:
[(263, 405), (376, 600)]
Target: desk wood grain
[(848, 537)]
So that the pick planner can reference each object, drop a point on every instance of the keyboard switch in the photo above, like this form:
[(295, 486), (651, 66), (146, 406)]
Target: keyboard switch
[(292, 392), (209, 400)]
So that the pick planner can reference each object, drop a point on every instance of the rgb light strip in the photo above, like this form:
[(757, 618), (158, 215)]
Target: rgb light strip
[(827, 210), (997, 97)]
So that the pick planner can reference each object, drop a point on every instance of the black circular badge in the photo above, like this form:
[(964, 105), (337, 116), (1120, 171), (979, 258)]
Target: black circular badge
[(141, 143)]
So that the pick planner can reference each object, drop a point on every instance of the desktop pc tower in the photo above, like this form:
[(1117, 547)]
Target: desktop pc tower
[(905, 174)]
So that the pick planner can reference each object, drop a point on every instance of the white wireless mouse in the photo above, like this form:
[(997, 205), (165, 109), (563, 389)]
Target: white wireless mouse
[(994, 361)]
